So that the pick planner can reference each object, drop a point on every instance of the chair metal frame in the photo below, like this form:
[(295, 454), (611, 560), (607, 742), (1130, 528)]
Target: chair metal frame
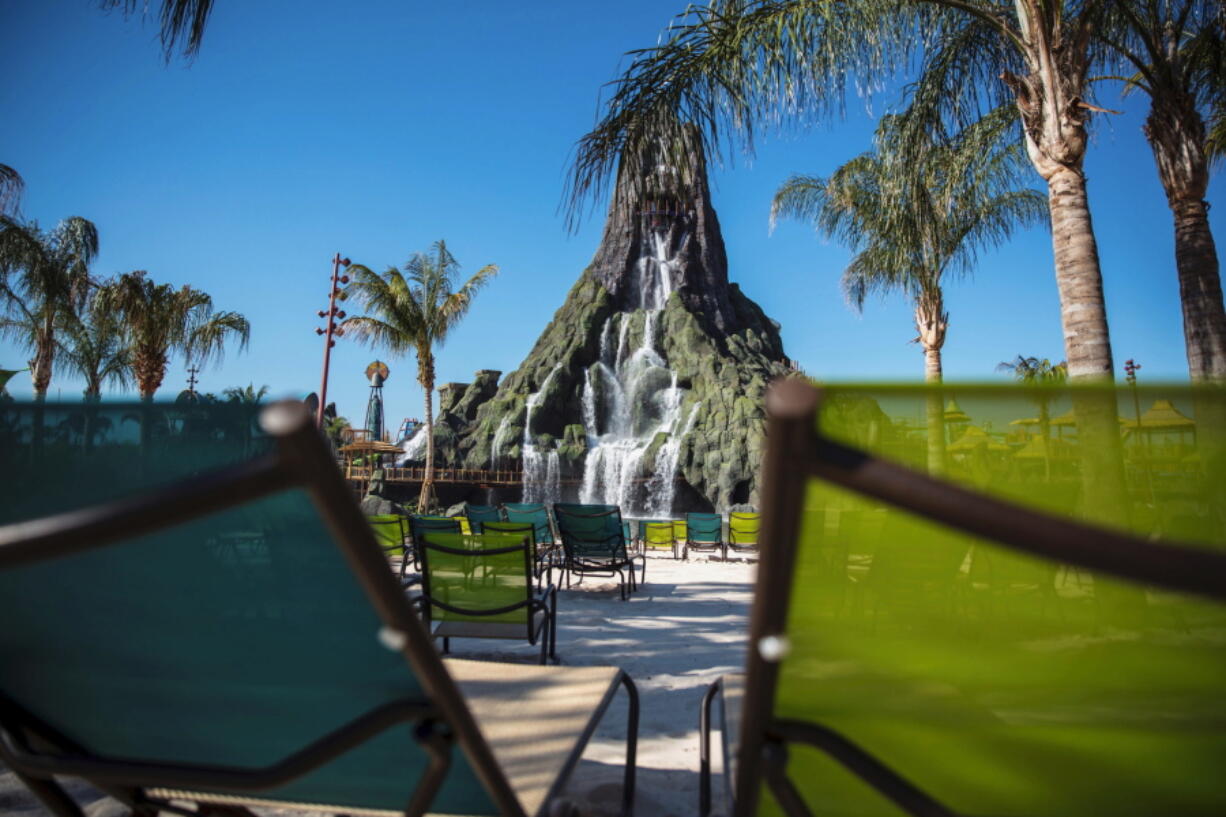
[(37, 753)]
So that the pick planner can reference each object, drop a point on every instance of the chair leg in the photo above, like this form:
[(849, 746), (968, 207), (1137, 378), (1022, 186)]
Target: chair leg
[(553, 626), (632, 738), (446, 645)]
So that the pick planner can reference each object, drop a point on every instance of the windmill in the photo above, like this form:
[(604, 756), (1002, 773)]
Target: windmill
[(376, 373)]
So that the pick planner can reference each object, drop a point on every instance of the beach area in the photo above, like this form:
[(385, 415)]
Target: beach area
[(682, 629)]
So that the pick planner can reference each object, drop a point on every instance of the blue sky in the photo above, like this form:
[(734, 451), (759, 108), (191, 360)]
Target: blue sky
[(376, 127)]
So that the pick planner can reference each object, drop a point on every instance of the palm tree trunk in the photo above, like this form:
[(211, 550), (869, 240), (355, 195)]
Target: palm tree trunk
[(1054, 122), (1200, 291), (1176, 134), (1083, 311), (427, 483), (931, 321)]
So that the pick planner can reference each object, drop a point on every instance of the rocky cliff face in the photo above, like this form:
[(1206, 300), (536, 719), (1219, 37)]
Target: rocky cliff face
[(646, 388)]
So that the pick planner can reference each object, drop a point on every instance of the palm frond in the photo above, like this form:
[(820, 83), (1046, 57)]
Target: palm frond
[(11, 188), (182, 22)]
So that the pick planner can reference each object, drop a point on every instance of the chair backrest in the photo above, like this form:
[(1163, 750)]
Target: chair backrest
[(704, 528), (420, 525), (658, 534), (390, 532), (212, 598), (679, 530), (478, 577), (1008, 638), (743, 527), (591, 531), (477, 515), (534, 513), (516, 528)]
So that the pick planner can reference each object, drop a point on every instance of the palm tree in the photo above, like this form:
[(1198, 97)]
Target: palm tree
[(182, 22), (11, 185), (159, 320), (916, 209), (1040, 373), (737, 64), (415, 310), (45, 277), (247, 395), (1176, 49), (94, 349)]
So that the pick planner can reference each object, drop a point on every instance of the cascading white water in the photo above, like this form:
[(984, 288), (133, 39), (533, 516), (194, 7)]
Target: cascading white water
[(500, 439), (542, 478), (414, 448), (662, 485), (630, 396)]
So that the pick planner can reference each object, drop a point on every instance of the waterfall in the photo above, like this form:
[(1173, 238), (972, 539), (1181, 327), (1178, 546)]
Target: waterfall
[(663, 483), (414, 448), (500, 439), (638, 398), (542, 481)]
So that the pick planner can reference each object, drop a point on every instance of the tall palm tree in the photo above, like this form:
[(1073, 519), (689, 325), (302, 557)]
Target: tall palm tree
[(1177, 51), (160, 320), (916, 209), (738, 64), (415, 310), (94, 348), (44, 276)]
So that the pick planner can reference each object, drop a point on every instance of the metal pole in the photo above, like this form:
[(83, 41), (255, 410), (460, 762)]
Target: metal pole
[(328, 333)]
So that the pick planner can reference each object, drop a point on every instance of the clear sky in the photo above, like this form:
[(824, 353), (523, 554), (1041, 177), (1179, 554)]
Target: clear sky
[(376, 127)]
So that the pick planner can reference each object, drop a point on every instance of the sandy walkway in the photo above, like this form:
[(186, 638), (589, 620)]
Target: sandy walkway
[(683, 629)]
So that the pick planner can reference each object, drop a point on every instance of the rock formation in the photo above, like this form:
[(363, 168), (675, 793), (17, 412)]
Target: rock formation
[(646, 388)]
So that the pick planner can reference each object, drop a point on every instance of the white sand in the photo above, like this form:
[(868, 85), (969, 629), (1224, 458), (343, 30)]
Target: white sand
[(682, 630)]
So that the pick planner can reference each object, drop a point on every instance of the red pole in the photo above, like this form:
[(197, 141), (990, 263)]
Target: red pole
[(328, 333)]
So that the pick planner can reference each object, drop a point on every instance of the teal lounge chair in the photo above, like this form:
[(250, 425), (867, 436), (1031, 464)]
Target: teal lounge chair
[(478, 515), (145, 655), (1024, 639), (593, 542), (704, 532)]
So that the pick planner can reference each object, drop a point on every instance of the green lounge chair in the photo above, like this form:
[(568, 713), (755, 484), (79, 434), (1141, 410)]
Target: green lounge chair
[(392, 533), (594, 543), (950, 693), (704, 532), (658, 535), (743, 531), (483, 586), (292, 674), (477, 515), (543, 556)]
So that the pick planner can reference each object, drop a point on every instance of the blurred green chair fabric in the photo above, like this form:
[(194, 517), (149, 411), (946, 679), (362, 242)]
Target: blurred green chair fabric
[(195, 610), (743, 530), (966, 629), (483, 586), (392, 533), (704, 532)]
